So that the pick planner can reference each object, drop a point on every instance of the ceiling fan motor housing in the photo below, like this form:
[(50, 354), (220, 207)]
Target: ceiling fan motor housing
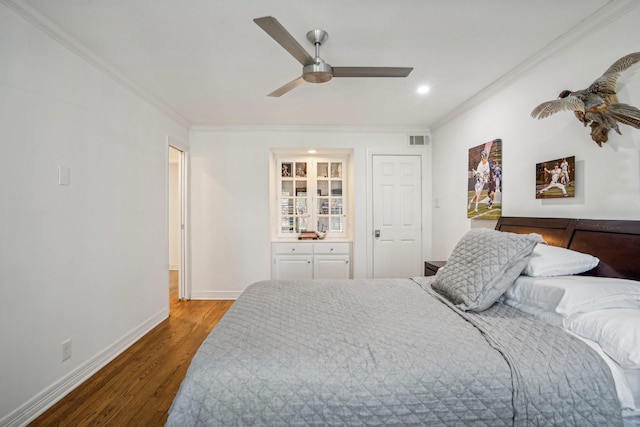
[(318, 72)]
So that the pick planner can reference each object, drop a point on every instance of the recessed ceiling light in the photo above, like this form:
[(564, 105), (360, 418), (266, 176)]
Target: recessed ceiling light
[(423, 89), (312, 151)]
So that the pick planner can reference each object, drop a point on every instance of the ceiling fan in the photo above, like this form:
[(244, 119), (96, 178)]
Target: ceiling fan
[(315, 70)]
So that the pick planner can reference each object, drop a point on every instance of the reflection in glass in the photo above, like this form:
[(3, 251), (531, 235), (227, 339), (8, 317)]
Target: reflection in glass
[(301, 206), (336, 170), (287, 188), (301, 169), (336, 206), (323, 224), (287, 206), (323, 188), (336, 188), (301, 188), (302, 224), (323, 170), (287, 170), (286, 224), (323, 206), (336, 224)]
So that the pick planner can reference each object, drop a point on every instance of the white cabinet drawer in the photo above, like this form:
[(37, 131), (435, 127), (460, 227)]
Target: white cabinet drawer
[(331, 248), (292, 248)]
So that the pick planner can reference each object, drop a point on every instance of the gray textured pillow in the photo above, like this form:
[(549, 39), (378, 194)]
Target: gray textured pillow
[(483, 265)]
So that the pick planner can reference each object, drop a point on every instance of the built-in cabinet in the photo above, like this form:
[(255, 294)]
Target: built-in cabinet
[(311, 195), (311, 260)]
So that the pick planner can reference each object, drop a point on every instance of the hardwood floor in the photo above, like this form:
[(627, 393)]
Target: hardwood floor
[(137, 388)]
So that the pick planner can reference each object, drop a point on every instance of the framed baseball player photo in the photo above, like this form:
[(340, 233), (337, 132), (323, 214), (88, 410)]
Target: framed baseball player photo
[(484, 181), (556, 178)]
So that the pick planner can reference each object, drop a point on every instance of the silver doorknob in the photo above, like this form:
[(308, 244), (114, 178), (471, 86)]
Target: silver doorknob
[(376, 233)]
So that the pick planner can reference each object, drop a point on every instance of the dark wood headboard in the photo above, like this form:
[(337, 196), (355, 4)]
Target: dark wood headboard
[(615, 242)]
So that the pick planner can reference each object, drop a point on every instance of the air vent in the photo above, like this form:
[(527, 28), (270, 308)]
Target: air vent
[(419, 140)]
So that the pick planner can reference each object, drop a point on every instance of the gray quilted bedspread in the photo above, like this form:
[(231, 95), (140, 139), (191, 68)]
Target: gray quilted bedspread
[(387, 352)]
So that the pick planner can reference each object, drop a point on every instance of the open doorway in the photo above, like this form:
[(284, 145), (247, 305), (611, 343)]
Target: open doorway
[(177, 223)]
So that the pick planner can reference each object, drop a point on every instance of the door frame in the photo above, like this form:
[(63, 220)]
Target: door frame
[(427, 215), (184, 283)]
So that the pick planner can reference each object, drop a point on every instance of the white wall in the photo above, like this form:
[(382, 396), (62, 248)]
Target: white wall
[(608, 178), (230, 239), (88, 261)]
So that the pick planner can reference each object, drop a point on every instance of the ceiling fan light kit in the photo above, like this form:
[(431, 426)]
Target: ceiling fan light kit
[(314, 69)]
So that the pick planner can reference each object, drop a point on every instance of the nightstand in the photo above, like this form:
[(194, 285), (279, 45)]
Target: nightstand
[(431, 267)]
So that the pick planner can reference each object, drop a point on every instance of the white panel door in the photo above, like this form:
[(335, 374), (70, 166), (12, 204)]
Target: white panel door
[(397, 216)]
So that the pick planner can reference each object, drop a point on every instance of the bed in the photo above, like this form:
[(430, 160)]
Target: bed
[(468, 346)]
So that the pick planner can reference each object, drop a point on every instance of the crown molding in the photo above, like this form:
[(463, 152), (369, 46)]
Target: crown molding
[(303, 128), (608, 13), (60, 35)]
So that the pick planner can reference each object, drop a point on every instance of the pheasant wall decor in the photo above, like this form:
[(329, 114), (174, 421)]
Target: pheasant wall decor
[(597, 105)]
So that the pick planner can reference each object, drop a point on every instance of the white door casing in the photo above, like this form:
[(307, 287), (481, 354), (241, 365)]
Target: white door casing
[(182, 243), (397, 215)]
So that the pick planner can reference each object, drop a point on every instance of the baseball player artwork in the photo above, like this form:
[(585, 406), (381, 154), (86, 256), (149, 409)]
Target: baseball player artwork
[(484, 181), (556, 178)]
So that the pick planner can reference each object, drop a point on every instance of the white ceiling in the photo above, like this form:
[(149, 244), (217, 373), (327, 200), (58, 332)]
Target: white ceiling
[(210, 64)]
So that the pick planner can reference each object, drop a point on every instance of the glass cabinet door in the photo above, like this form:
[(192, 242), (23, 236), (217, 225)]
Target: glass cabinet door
[(312, 196), (294, 214), (329, 182)]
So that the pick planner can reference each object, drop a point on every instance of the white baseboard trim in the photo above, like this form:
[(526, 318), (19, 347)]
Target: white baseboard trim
[(37, 405), (207, 295)]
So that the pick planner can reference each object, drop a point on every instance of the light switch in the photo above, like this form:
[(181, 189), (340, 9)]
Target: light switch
[(64, 175)]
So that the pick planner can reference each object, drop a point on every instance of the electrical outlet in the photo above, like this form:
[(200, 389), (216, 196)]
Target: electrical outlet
[(66, 350)]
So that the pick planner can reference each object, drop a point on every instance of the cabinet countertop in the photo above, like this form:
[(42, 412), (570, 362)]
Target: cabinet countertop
[(296, 240)]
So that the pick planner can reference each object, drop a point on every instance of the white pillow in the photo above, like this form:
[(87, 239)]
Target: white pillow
[(567, 295), (616, 330), (555, 261), (550, 317)]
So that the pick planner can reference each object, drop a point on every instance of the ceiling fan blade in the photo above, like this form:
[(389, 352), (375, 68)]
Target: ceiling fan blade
[(272, 27), (286, 88), (371, 71)]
